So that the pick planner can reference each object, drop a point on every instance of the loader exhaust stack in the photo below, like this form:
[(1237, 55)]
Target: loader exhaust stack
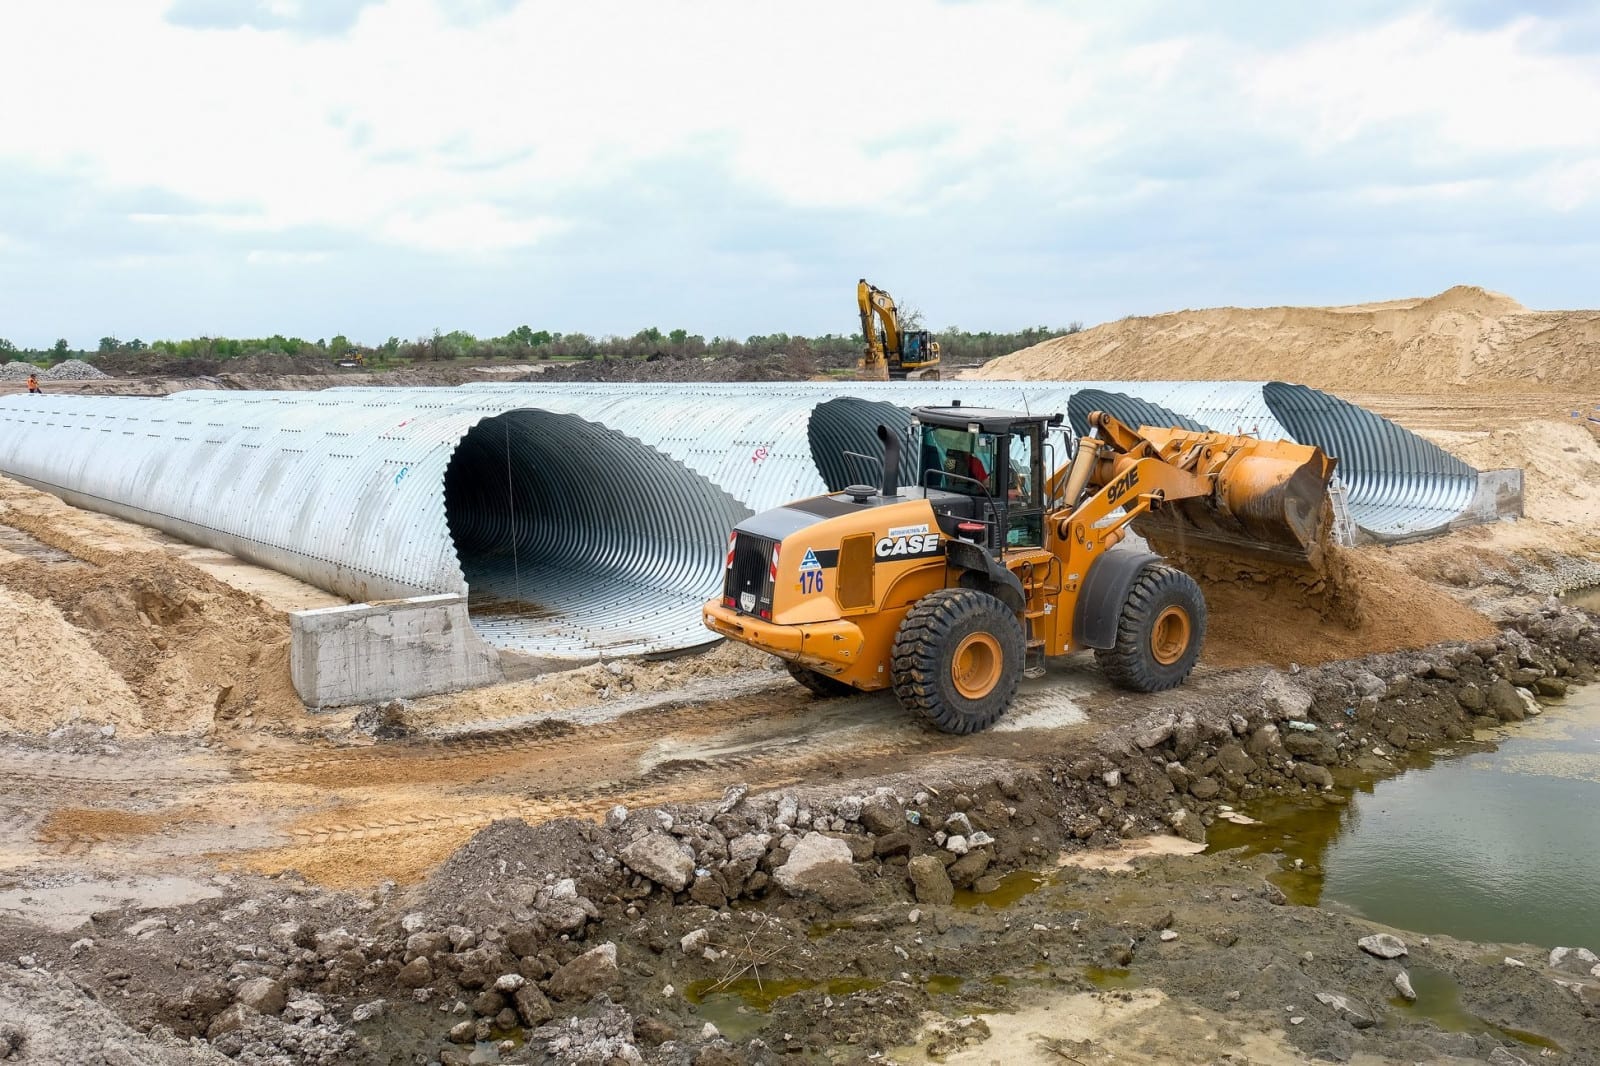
[(891, 463)]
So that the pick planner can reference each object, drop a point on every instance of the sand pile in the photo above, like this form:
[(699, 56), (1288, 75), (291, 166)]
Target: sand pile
[(187, 650), (1464, 337), (1360, 603), (53, 675)]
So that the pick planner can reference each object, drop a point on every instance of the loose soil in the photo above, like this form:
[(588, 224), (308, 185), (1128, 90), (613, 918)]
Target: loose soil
[(1465, 337)]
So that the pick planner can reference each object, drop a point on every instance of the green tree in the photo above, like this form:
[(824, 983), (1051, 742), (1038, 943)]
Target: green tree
[(7, 346), (109, 344), (338, 346), (61, 347)]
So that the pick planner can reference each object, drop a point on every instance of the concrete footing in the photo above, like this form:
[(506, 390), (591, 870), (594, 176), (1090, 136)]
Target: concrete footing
[(396, 649)]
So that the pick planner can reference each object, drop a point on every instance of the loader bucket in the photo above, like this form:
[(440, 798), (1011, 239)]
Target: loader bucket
[(1270, 503)]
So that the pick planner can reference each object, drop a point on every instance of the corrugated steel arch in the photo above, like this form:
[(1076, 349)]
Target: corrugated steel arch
[(376, 493), (1129, 409), (1400, 485)]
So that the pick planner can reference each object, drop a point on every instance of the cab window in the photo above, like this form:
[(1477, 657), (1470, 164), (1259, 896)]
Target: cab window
[(957, 460)]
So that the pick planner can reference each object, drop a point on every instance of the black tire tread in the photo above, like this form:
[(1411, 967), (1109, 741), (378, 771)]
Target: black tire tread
[(821, 685), (928, 633), (1129, 664)]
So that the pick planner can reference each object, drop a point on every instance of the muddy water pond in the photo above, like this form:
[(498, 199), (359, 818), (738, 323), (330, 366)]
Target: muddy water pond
[(1495, 841)]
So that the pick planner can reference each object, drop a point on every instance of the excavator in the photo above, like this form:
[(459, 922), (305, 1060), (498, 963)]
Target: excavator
[(951, 591), (892, 354)]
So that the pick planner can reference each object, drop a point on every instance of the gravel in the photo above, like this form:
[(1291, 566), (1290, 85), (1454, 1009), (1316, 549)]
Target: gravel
[(73, 370)]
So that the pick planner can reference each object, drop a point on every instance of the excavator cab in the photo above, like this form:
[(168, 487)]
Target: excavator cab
[(984, 473)]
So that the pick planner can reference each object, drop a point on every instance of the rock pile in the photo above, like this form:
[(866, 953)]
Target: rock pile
[(74, 370), (17, 370)]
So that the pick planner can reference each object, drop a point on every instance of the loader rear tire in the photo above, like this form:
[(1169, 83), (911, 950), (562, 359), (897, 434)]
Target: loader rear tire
[(820, 684), (1159, 633), (957, 659)]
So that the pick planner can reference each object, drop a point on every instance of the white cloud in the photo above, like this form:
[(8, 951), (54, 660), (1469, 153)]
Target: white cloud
[(1030, 131), (1478, 92)]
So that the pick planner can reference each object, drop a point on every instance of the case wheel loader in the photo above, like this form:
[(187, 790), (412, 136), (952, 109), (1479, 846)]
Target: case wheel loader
[(951, 591)]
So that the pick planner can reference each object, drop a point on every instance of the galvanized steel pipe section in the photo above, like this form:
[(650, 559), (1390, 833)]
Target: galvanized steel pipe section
[(583, 516), (1406, 486)]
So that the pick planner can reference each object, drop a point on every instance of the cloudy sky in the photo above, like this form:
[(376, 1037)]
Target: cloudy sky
[(171, 168)]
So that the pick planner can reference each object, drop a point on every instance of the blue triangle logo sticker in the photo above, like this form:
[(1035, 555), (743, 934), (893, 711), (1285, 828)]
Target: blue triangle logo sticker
[(810, 561)]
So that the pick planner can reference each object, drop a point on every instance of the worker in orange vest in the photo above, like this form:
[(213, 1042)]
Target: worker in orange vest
[(33, 384)]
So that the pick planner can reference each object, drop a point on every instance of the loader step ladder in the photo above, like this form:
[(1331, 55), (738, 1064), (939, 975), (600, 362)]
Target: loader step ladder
[(1033, 650)]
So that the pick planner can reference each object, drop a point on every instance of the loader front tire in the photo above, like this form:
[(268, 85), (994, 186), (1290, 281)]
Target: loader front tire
[(820, 684), (1159, 632), (957, 659)]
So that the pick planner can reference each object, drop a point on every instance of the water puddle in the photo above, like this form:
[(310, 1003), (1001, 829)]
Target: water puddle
[(1439, 1001), (1014, 887), (739, 1008), (1496, 843)]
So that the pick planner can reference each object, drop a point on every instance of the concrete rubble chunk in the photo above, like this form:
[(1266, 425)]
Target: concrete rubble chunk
[(732, 796), (1383, 945), (532, 1006), (660, 858), (929, 881), (693, 941), (417, 973), (1356, 1015), (263, 994), (807, 860), (1402, 984), (593, 971)]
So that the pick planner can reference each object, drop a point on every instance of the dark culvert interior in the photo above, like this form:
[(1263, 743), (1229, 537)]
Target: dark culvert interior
[(575, 538)]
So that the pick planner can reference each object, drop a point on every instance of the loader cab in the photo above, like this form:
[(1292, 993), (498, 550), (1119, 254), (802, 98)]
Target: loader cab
[(983, 471)]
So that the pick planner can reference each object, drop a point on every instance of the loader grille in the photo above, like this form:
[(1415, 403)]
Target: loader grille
[(748, 583)]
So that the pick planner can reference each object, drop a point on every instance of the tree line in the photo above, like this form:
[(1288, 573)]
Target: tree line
[(526, 343)]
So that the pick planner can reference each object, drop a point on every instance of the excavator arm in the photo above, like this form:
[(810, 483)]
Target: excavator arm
[(877, 305)]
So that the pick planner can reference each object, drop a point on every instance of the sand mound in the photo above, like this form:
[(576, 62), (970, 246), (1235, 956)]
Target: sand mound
[(53, 675), (1360, 604), (183, 649), (1463, 337)]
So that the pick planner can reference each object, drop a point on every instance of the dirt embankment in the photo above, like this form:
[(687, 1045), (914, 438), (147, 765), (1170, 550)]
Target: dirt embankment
[(1464, 337), (134, 639), (1358, 603)]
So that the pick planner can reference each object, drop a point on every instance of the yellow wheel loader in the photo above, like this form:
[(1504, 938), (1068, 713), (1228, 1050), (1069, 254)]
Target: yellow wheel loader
[(892, 353), (950, 591)]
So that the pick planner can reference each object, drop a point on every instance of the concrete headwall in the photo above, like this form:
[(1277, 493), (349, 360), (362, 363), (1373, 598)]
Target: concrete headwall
[(399, 649)]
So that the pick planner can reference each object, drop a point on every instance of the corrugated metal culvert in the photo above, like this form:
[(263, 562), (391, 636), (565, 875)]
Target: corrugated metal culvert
[(583, 518)]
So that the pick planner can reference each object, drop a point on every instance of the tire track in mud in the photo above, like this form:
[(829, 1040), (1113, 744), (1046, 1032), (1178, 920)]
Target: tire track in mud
[(549, 737), (122, 768), (666, 783)]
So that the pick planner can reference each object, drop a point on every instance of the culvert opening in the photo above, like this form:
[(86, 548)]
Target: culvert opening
[(575, 538), (848, 424), (1400, 486)]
